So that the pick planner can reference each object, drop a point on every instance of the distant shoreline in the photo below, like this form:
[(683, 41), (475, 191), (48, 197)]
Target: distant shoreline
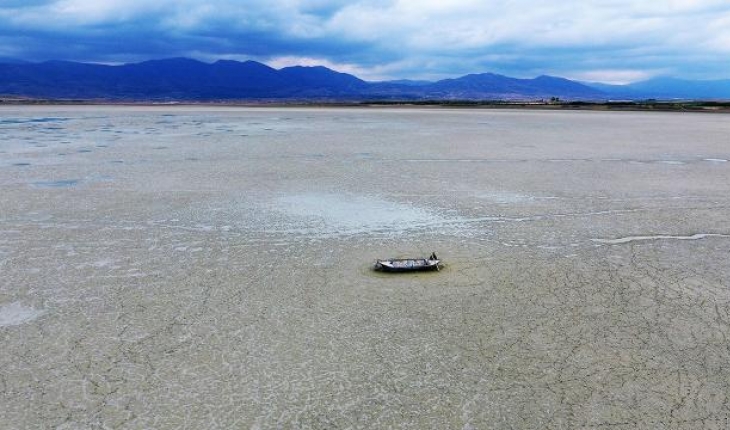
[(643, 106)]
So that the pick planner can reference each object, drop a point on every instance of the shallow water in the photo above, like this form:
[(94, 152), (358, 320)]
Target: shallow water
[(192, 267)]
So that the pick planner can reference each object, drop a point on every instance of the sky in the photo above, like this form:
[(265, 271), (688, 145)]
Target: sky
[(612, 41)]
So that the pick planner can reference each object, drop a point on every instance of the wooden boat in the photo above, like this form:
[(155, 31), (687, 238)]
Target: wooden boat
[(408, 264)]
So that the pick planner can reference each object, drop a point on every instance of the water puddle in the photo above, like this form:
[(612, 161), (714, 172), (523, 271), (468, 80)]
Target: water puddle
[(16, 313), (32, 120), (64, 183), (503, 197), (629, 239)]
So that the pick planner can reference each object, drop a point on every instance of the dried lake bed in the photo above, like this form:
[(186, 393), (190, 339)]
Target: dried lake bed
[(209, 267)]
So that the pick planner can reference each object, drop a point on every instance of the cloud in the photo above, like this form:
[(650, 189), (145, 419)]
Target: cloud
[(616, 39), (617, 77)]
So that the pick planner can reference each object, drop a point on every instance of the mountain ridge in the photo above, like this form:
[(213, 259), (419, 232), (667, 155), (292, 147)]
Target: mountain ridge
[(664, 87), (186, 79)]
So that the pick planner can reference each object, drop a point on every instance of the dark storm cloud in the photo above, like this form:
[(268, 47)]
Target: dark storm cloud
[(609, 40)]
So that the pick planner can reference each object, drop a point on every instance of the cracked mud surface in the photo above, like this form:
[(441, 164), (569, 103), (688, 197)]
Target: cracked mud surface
[(209, 268)]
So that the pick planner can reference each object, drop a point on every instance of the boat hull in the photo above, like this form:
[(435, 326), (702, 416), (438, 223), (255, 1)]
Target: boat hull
[(407, 265)]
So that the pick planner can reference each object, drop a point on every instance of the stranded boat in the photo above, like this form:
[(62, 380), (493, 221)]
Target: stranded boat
[(408, 264)]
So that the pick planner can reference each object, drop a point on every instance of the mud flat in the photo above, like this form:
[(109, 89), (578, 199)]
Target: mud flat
[(209, 268)]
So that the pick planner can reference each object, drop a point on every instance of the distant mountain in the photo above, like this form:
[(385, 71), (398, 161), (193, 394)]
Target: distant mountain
[(493, 86), (322, 78), (176, 78), (668, 88), (184, 79), (409, 82), (11, 60)]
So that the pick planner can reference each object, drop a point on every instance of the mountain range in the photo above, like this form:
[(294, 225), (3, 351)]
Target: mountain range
[(669, 88), (183, 79)]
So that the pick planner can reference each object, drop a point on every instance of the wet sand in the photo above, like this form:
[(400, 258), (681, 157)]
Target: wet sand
[(181, 267)]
